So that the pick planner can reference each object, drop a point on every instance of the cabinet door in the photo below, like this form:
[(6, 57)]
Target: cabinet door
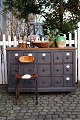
[(68, 80), (58, 69), (14, 69), (44, 81), (44, 70), (27, 84), (68, 56), (58, 81), (44, 57), (58, 57), (68, 69), (30, 53), (11, 82), (26, 68), (14, 56)]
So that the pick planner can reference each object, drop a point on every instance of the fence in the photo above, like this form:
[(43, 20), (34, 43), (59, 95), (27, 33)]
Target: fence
[(72, 40), (3, 59)]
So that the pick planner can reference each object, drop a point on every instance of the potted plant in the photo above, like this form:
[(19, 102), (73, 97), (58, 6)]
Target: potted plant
[(52, 36), (60, 40)]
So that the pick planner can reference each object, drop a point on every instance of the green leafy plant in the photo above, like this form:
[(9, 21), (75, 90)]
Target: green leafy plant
[(52, 33), (61, 15)]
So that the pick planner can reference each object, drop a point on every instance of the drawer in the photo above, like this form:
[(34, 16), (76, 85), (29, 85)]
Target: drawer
[(44, 81), (28, 69), (27, 83), (58, 57), (24, 69), (14, 56), (44, 70), (58, 81), (67, 56), (32, 54), (22, 83), (14, 69), (67, 68), (68, 81), (58, 69), (44, 57), (11, 82)]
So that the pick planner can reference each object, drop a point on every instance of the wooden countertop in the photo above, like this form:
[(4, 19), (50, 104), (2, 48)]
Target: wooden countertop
[(54, 48)]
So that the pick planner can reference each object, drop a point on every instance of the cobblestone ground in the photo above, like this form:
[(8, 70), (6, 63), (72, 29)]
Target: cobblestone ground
[(51, 106)]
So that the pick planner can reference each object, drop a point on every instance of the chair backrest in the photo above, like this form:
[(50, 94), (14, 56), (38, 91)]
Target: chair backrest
[(27, 65), (26, 59)]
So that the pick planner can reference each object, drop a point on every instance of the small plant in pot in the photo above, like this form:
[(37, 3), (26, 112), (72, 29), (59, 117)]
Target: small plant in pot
[(52, 36)]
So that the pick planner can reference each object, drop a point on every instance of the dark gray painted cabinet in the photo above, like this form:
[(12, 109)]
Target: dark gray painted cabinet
[(55, 67)]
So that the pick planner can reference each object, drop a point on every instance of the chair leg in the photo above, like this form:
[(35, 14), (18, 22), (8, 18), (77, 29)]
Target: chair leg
[(17, 93), (36, 92)]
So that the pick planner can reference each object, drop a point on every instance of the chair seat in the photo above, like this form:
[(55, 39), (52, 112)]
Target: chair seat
[(26, 76)]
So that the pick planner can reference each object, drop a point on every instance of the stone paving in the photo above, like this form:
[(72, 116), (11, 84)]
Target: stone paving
[(51, 106)]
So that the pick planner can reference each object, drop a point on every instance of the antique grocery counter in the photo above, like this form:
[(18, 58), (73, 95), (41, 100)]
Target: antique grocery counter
[(55, 67)]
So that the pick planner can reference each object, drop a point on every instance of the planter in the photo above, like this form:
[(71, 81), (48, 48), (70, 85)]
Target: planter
[(61, 44), (60, 40), (53, 42)]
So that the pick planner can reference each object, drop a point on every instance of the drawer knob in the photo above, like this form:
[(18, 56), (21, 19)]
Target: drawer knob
[(68, 81), (44, 81), (29, 82), (67, 69), (29, 69), (67, 57), (57, 69), (16, 57), (57, 57), (44, 69), (43, 57), (57, 81)]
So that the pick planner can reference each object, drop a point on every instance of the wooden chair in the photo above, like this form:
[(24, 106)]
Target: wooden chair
[(26, 60)]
